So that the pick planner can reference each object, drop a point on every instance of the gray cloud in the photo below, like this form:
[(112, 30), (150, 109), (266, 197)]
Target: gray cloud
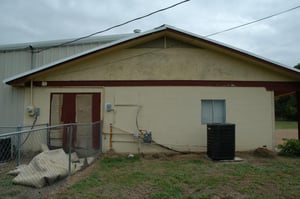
[(276, 38)]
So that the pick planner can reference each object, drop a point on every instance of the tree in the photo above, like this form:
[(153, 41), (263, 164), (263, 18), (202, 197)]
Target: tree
[(286, 106)]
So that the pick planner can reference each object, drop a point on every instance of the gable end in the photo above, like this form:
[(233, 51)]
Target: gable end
[(165, 42)]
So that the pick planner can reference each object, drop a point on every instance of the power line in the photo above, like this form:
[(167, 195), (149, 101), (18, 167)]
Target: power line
[(261, 19), (121, 24)]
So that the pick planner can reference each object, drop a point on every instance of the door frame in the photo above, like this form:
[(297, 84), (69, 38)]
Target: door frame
[(70, 97)]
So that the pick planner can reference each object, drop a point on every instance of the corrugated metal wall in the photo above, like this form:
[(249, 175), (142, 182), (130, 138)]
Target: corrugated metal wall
[(11, 99), (54, 54), (18, 60)]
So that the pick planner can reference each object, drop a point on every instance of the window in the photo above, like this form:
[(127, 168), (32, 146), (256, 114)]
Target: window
[(213, 111)]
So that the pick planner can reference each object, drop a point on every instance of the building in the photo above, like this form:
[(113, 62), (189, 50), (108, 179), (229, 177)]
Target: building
[(165, 81), (19, 58)]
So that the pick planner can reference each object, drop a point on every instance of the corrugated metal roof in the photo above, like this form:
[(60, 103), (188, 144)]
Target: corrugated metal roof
[(47, 44), (135, 36)]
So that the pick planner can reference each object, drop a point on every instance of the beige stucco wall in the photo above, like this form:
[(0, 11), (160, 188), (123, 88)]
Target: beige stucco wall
[(173, 114), (163, 64)]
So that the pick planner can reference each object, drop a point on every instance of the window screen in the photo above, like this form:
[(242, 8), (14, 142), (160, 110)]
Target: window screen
[(213, 111)]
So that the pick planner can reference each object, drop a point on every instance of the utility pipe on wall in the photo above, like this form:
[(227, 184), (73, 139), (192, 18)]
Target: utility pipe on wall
[(31, 93), (110, 137), (30, 107)]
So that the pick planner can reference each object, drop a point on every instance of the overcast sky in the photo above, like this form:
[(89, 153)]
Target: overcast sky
[(277, 38)]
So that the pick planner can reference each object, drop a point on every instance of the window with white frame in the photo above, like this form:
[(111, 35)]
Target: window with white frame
[(213, 111)]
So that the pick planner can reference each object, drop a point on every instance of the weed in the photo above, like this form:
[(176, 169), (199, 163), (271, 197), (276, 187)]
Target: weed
[(6, 181), (108, 163), (89, 182), (291, 147), (262, 197), (199, 197), (167, 190)]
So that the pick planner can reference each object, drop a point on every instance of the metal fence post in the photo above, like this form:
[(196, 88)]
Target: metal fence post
[(19, 128), (70, 132), (48, 135), (100, 129)]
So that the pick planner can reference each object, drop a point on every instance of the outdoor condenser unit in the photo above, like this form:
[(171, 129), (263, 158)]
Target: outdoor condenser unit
[(5, 149), (221, 141)]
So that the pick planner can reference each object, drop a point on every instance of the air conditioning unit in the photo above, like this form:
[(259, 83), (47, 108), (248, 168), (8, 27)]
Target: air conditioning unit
[(221, 141)]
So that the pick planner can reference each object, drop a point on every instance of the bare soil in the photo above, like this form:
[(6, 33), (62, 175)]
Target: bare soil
[(281, 134)]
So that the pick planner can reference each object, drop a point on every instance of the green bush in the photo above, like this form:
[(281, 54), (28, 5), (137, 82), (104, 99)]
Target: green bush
[(290, 148)]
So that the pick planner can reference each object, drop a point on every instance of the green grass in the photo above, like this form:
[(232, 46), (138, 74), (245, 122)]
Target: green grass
[(6, 185), (286, 125), (184, 178)]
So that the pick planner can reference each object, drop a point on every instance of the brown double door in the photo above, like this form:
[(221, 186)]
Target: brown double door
[(77, 108)]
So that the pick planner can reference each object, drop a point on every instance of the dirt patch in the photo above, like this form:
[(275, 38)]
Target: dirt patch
[(174, 156), (264, 153), (281, 134)]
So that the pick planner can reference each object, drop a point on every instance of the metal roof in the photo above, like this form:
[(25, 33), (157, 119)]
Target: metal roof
[(54, 43), (155, 30)]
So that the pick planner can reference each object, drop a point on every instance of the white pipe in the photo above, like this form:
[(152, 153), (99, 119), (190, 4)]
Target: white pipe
[(31, 92)]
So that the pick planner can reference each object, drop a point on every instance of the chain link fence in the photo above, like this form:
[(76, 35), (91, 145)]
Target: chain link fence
[(39, 156), (11, 141)]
